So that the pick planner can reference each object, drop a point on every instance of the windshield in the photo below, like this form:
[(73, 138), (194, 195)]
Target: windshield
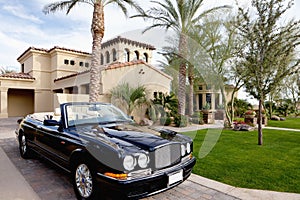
[(78, 114)]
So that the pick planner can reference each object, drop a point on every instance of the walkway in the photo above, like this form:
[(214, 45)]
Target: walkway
[(38, 179)]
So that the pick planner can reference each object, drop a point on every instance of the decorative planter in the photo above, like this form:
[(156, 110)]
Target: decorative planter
[(208, 117)]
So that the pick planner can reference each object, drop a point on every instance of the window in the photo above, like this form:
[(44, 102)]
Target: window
[(23, 68), (66, 62), (81, 64), (137, 55), (200, 101), (145, 57), (72, 62), (107, 57), (86, 64), (126, 55), (200, 87), (58, 91), (208, 98), (101, 59), (114, 52)]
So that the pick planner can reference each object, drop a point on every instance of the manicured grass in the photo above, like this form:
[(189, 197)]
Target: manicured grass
[(288, 123), (237, 160)]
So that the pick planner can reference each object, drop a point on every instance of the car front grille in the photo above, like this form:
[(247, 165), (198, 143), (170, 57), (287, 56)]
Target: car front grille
[(167, 155)]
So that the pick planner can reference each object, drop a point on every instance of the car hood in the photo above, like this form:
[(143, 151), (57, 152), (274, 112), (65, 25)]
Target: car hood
[(127, 136)]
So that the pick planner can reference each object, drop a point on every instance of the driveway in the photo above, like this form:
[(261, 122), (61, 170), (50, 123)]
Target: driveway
[(48, 182)]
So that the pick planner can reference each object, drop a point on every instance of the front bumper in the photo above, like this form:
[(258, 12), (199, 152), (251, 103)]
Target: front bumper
[(145, 186)]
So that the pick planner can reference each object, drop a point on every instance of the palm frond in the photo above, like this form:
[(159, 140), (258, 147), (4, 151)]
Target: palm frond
[(63, 6)]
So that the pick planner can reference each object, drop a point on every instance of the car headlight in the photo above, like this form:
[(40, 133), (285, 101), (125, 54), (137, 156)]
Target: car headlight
[(143, 160), (183, 150), (188, 148), (129, 162)]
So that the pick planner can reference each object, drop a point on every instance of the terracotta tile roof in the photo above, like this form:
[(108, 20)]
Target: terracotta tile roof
[(71, 75), (71, 50), (126, 64), (120, 39), (136, 62), (49, 50), (16, 75), (116, 66)]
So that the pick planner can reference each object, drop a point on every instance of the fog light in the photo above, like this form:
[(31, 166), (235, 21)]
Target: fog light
[(116, 176)]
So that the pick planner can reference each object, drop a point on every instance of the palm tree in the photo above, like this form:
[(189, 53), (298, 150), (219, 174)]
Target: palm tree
[(181, 17), (97, 29), (128, 97)]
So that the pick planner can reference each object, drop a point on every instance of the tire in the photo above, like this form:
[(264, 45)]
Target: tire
[(84, 181), (25, 151)]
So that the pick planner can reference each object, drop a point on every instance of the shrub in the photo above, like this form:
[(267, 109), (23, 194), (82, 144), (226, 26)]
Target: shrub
[(166, 121), (197, 118), (181, 120)]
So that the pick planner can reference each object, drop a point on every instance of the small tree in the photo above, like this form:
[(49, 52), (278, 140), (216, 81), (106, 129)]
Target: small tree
[(269, 52), (128, 97)]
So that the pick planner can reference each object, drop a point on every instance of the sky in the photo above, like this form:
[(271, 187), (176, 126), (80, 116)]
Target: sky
[(24, 25)]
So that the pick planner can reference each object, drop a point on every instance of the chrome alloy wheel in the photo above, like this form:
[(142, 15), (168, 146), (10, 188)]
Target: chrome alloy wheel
[(83, 178), (23, 145)]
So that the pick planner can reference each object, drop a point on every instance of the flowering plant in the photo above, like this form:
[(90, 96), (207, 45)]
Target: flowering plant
[(250, 112)]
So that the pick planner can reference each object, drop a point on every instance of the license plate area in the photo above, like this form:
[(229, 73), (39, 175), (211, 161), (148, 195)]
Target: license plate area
[(175, 177)]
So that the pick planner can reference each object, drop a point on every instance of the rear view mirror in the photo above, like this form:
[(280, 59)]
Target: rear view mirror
[(51, 122)]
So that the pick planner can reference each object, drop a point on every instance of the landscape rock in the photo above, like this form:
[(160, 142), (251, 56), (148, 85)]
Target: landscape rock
[(274, 117)]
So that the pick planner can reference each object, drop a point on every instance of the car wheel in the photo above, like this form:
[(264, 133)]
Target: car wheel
[(23, 147), (84, 181)]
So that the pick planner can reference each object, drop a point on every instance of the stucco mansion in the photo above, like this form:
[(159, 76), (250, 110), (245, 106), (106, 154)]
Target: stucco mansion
[(49, 77)]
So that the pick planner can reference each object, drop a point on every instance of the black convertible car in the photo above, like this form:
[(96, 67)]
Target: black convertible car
[(106, 153)]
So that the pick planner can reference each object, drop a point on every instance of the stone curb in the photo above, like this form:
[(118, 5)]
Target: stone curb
[(243, 193)]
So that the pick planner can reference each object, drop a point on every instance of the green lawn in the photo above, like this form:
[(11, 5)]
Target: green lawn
[(288, 123), (237, 160)]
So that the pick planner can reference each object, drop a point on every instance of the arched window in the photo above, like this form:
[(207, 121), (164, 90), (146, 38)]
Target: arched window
[(102, 59), (145, 57), (114, 53), (137, 55), (126, 55), (107, 57)]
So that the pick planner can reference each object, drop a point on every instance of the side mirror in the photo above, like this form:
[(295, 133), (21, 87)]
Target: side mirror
[(51, 122)]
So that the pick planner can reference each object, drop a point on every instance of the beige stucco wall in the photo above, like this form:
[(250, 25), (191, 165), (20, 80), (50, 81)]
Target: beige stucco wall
[(59, 69), (136, 76), (43, 100)]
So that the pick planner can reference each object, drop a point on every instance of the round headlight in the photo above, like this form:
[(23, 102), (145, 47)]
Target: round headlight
[(188, 148), (183, 150), (143, 160), (129, 163)]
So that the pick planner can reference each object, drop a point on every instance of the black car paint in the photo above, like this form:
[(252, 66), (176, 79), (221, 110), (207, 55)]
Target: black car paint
[(60, 143)]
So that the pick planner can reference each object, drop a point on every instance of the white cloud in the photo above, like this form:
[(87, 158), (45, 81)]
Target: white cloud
[(23, 24), (20, 12)]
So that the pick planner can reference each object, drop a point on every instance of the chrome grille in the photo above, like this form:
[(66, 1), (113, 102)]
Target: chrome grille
[(167, 155)]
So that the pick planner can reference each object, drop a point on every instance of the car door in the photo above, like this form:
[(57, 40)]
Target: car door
[(56, 144), (50, 142)]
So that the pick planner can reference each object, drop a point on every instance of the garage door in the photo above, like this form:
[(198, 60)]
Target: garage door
[(20, 102)]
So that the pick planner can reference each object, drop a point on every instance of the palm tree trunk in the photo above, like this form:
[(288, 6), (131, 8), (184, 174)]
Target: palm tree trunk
[(97, 30), (191, 89), (182, 75)]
